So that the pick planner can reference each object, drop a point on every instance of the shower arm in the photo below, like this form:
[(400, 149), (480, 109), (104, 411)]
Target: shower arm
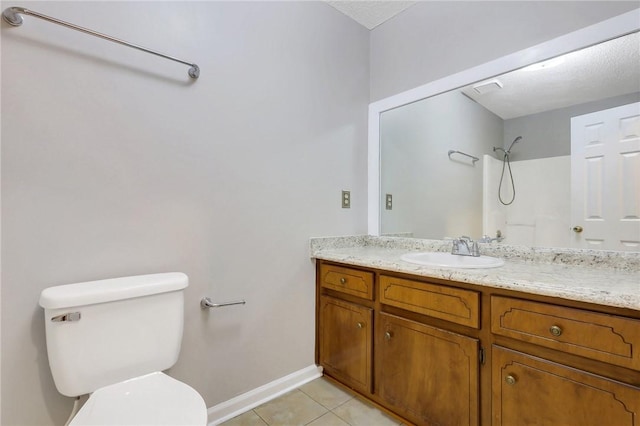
[(11, 15), (508, 151)]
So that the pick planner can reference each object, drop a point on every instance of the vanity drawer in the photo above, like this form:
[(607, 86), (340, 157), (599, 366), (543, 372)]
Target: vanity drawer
[(347, 280), (447, 303), (608, 338)]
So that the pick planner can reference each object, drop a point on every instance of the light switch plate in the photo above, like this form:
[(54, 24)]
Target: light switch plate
[(388, 202), (346, 199)]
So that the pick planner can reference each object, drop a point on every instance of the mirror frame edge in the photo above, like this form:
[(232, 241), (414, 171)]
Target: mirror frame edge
[(617, 26)]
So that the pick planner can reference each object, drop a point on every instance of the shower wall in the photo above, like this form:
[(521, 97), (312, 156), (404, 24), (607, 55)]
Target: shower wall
[(539, 215)]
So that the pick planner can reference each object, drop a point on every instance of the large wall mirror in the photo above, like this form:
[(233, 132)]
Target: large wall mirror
[(546, 155)]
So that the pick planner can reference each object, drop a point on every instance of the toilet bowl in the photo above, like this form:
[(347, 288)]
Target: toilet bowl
[(153, 399), (112, 339)]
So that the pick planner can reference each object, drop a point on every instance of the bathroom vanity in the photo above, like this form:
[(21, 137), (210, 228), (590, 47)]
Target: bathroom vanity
[(529, 343)]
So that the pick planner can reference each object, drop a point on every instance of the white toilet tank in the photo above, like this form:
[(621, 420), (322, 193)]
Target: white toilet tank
[(103, 332)]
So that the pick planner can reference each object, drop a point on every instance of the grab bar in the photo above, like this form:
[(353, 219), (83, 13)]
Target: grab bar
[(206, 303), (12, 16), (473, 159)]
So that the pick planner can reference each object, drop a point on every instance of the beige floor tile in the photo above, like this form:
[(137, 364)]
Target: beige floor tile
[(328, 419), (326, 393), (358, 413), (250, 418), (293, 408)]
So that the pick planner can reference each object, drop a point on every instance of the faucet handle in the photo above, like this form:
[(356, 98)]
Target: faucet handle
[(475, 250)]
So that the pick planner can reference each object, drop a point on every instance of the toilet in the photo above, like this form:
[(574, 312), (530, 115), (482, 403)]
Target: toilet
[(112, 339)]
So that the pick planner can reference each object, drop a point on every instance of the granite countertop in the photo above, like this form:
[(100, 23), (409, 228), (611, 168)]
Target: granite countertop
[(605, 278)]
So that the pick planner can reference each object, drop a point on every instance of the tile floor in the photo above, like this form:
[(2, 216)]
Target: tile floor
[(317, 403)]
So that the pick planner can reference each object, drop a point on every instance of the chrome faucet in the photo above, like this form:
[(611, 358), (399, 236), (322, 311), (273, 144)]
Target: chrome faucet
[(488, 239), (465, 246)]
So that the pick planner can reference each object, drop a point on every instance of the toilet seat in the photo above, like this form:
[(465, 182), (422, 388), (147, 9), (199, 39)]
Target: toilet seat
[(152, 399)]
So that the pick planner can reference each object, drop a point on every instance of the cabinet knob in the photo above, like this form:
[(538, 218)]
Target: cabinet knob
[(343, 280), (359, 324), (388, 335), (555, 330), (577, 229), (511, 380)]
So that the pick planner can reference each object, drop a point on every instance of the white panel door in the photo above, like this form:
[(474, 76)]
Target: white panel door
[(605, 179)]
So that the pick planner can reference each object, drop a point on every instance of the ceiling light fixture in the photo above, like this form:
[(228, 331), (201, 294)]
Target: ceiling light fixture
[(487, 87)]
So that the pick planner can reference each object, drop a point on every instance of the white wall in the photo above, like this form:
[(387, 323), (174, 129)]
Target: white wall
[(114, 163), (433, 39), (434, 196)]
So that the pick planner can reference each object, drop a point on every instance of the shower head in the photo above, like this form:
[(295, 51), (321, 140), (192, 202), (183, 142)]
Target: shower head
[(515, 141)]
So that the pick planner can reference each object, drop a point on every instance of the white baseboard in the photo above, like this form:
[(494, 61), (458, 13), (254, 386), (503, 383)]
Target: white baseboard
[(249, 400)]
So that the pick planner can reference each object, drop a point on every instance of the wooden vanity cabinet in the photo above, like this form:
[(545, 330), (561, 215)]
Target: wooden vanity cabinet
[(349, 281), (345, 327), (427, 374), (608, 338), (345, 333), (445, 353), (531, 391), (436, 301)]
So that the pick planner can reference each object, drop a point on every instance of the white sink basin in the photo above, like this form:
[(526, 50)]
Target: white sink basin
[(448, 260)]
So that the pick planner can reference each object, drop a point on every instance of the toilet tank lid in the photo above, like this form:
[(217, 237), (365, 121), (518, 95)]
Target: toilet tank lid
[(102, 291)]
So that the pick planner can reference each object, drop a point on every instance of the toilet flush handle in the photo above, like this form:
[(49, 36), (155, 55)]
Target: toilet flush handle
[(69, 316)]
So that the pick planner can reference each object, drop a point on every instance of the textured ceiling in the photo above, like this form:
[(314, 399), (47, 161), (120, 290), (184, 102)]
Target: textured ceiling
[(598, 72), (602, 71), (371, 13)]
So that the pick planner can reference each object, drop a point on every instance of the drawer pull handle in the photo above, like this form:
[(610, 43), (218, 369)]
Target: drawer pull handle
[(343, 280), (555, 330), (388, 335), (511, 380), (359, 324)]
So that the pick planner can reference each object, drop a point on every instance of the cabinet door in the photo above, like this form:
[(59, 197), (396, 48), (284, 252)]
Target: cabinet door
[(532, 391), (345, 342), (428, 375)]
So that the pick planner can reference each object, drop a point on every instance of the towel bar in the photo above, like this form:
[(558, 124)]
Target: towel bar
[(473, 159), (12, 16)]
